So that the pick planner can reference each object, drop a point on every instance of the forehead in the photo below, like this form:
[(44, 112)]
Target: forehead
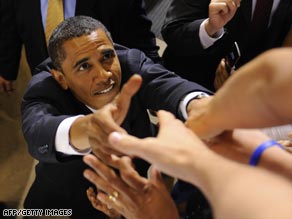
[(86, 43)]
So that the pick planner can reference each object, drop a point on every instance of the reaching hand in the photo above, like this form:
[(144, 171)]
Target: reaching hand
[(173, 151), (129, 194)]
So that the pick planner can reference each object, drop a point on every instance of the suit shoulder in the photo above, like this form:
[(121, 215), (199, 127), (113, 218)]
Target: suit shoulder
[(129, 55), (42, 85)]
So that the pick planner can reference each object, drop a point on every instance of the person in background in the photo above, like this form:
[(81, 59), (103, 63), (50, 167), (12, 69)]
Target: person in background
[(29, 23), (200, 33)]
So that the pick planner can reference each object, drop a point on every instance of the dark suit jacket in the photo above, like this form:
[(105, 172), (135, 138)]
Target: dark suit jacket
[(21, 23), (45, 105), (184, 53)]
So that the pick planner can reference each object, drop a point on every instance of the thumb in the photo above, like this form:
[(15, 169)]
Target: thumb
[(123, 100), (165, 119)]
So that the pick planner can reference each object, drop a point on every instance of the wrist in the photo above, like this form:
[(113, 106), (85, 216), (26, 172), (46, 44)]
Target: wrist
[(277, 160), (210, 29), (78, 138), (259, 151), (205, 161)]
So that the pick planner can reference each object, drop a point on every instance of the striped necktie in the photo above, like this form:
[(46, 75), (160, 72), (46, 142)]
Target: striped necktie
[(55, 15)]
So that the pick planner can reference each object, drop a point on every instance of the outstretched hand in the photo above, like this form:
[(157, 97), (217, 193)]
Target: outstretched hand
[(128, 193), (172, 152), (93, 130)]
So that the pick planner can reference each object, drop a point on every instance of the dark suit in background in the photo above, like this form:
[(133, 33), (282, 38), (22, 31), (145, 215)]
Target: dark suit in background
[(185, 54), (21, 24), (59, 182)]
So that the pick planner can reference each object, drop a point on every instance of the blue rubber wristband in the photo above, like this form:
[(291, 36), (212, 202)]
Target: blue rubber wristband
[(256, 155)]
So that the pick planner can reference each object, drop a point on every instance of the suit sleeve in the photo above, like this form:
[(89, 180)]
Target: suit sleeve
[(181, 27), (41, 117), (135, 31), (37, 117), (10, 42)]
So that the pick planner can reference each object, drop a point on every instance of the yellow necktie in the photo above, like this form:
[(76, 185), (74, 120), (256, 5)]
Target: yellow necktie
[(55, 15)]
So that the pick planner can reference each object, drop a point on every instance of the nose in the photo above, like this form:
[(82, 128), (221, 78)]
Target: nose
[(102, 75)]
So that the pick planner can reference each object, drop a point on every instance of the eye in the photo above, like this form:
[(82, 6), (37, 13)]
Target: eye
[(84, 66), (108, 56)]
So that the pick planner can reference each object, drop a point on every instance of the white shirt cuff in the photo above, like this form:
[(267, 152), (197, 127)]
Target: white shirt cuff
[(62, 140), (205, 39), (187, 99)]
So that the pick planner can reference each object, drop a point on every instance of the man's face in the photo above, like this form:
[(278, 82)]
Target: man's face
[(91, 69)]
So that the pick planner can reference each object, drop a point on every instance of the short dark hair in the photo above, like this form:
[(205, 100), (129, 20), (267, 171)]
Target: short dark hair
[(71, 28)]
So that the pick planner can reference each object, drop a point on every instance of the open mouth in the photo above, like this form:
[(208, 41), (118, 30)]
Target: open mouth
[(112, 84)]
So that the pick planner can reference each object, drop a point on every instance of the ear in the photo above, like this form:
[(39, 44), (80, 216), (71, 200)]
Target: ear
[(60, 78)]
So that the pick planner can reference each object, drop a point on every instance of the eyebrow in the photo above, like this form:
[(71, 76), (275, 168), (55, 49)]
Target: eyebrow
[(107, 51), (80, 62)]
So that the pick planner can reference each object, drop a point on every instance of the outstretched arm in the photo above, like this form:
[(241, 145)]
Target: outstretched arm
[(256, 96)]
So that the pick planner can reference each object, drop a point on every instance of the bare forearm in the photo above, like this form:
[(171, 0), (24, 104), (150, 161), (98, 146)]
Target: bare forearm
[(226, 184), (256, 96)]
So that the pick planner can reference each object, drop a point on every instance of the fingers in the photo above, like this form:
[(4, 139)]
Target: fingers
[(123, 100), (99, 205), (156, 178), (229, 4), (218, 8), (102, 175), (145, 148), (115, 205), (101, 152), (127, 144), (101, 124), (165, 118), (91, 195), (103, 121), (129, 175), (221, 11)]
